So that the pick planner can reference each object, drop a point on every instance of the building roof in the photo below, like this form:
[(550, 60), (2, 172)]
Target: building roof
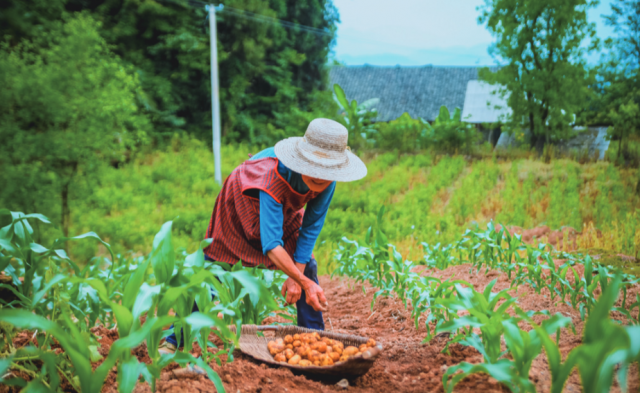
[(419, 91), (480, 102)]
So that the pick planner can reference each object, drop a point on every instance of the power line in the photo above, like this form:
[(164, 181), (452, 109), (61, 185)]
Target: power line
[(221, 8)]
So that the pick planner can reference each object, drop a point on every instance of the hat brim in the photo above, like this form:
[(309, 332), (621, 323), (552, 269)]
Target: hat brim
[(287, 153)]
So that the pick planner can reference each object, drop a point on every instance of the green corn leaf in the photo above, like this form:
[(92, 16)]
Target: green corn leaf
[(489, 288), (49, 365), (5, 244), (133, 285), (197, 258), (37, 216), (123, 317), (36, 387), (99, 287), (5, 362), (459, 323), (163, 255), (40, 294), (128, 374), (503, 371), (144, 300), (91, 235), (257, 291), (37, 248), (197, 321)]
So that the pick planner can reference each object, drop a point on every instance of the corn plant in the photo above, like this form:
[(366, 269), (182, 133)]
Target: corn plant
[(605, 344), (151, 287), (490, 316), (485, 313)]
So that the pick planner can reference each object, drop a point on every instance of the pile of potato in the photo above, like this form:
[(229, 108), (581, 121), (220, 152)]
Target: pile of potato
[(309, 349)]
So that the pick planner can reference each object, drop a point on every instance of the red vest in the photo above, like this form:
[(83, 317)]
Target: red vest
[(235, 222)]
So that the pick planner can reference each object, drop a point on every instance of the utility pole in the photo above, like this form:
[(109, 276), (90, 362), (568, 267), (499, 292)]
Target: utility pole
[(215, 95)]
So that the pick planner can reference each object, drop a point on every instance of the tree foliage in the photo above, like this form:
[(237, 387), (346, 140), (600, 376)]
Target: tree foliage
[(67, 102), (272, 79), (268, 74), (618, 83), (544, 79)]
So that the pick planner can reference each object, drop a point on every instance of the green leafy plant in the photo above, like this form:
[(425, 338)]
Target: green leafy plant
[(137, 298), (357, 117), (449, 133)]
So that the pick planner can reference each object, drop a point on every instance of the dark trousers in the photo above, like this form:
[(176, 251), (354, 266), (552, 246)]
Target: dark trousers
[(307, 316)]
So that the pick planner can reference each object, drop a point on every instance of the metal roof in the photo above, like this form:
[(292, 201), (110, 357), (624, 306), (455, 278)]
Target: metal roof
[(419, 91), (480, 101)]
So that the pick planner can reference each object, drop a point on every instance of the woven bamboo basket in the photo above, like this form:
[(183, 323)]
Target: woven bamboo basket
[(256, 346)]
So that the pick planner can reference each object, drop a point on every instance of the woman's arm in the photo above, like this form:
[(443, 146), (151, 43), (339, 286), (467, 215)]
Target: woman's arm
[(312, 223), (271, 221)]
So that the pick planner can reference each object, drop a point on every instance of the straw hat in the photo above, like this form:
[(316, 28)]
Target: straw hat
[(322, 153)]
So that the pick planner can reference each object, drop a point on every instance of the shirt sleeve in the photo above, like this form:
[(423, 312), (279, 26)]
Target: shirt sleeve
[(312, 223), (271, 222)]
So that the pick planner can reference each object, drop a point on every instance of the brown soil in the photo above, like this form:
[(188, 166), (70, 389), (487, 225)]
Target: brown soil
[(406, 365)]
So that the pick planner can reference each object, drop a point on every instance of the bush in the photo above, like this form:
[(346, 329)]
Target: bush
[(450, 134), (403, 134)]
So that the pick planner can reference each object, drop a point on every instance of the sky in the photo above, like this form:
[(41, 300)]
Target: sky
[(421, 32)]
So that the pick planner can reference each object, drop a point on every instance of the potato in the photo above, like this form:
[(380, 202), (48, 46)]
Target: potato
[(313, 355), (350, 351), (326, 361), (294, 360), (307, 349), (302, 351), (274, 351)]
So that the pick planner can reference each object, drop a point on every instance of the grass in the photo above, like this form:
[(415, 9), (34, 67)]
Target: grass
[(429, 198)]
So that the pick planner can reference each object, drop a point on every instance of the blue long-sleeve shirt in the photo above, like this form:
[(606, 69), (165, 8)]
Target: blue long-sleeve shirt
[(272, 216)]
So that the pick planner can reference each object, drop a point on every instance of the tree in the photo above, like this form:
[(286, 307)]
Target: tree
[(544, 80), (625, 19), (618, 83), (67, 104), (270, 76)]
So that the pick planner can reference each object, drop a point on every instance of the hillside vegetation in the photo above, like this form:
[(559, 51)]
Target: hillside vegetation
[(428, 198)]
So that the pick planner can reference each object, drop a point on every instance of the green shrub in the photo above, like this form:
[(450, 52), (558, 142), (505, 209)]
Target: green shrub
[(449, 133), (403, 134)]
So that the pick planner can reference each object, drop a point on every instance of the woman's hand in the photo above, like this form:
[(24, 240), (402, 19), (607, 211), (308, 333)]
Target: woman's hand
[(315, 296), (291, 291), (291, 288)]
